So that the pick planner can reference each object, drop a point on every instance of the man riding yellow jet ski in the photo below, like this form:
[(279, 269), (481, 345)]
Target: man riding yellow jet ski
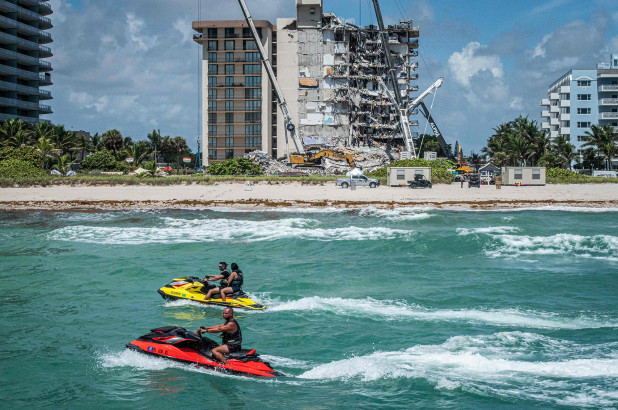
[(192, 288)]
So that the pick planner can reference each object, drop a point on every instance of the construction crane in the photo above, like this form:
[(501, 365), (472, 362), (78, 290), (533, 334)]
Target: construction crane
[(287, 119), (404, 121)]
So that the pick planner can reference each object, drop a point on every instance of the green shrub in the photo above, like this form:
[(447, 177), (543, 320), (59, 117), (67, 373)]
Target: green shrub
[(27, 154), (235, 166), (17, 168), (441, 176), (104, 161), (435, 165)]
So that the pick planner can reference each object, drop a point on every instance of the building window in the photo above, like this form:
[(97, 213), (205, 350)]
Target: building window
[(229, 117), (212, 142), (583, 110), (253, 105), (229, 57), (252, 57), (229, 81), (213, 45), (582, 138), (401, 174), (229, 44), (536, 174), (583, 83), (212, 117), (229, 69), (253, 117), (212, 33), (212, 93), (253, 93), (519, 174), (249, 45), (229, 141), (229, 33), (212, 154), (253, 81), (253, 141), (212, 57), (229, 106), (229, 153), (229, 130), (583, 124), (212, 105), (229, 93), (253, 129), (212, 69), (246, 32), (212, 130), (583, 97), (212, 81), (251, 69)]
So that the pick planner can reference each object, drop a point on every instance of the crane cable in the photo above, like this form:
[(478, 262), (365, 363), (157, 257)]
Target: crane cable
[(435, 92)]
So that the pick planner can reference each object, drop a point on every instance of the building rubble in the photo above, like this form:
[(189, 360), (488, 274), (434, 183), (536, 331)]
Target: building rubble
[(366, 158)]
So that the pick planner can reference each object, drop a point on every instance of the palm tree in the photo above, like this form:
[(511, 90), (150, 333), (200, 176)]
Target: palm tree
[(564, 150), (64, 140), (139, 151), (155, 142), (604, 140), (83, 145), (64, 164), (16, 133), (45, 147), (113, 141), (96, 141)]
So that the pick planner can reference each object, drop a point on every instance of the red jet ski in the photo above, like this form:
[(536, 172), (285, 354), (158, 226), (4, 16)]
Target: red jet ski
[(177, 343)]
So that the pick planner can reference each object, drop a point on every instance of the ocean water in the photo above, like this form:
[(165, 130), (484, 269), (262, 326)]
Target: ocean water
[(402, 308)]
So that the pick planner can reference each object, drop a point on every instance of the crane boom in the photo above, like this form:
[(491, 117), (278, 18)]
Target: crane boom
[(404, 121), (423, 109), (287, 118), (424, 94)]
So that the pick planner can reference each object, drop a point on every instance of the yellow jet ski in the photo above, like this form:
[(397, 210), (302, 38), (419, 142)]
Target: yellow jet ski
[(192, 288)]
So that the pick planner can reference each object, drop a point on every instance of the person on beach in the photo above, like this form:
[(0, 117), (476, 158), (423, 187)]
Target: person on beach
[(234, 281), (223, 275), (230, 332)]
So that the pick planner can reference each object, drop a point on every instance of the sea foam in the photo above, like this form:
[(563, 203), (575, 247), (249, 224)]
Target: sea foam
[(175, 230), (493, 365), (381, 310)]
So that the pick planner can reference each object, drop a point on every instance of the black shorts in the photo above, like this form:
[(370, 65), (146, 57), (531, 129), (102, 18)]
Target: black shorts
[(233, 348)]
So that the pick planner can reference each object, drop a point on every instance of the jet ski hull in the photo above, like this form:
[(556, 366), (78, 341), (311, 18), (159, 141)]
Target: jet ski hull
[(189, 349), (190, 288)]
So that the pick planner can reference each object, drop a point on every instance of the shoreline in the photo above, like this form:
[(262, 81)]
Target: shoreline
[(296, 195)]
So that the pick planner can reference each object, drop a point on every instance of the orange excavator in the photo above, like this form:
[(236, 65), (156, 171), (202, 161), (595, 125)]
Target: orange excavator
[(315, 159)]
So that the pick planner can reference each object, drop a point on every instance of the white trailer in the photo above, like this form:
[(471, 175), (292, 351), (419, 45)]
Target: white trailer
[(523, 175), (400, 176)]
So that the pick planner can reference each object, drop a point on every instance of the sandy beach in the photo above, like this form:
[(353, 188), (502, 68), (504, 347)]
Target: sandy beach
[(296, 194)]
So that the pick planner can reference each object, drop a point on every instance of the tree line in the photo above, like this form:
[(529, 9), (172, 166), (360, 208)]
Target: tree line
[(107, 151), (521, 142)]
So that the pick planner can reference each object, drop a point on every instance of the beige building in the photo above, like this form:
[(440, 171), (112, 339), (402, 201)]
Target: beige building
[(327, 71)]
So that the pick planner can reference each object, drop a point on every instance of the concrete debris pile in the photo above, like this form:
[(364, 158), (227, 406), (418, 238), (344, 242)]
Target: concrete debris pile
[(367, 159)]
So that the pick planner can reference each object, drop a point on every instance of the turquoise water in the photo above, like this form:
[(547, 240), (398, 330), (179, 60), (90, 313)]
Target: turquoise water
[(398, 308)]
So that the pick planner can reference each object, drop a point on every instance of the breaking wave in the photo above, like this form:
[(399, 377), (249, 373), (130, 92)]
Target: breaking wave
[(217, 230), (603, 247), (515, 365), (397, 214), (381, 310), (487, 230)]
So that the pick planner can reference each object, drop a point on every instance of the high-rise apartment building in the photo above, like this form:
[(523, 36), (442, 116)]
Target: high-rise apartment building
[(328, 72), (22, 69), (582, 98)]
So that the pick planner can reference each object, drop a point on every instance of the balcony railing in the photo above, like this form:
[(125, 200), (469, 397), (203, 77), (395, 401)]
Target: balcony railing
[(235, 109), (604, 88), (608, 115), (608, 101), (5, 85), (545, 102), (234, 98), (18, 72), (11, 102)]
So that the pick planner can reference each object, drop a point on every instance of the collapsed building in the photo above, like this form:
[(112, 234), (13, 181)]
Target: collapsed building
[(333, 76)]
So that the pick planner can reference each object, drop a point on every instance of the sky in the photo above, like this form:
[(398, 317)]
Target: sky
[(132, 64)]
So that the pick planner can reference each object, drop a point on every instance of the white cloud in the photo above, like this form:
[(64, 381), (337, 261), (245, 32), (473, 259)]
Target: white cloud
[(138, 34), (467, 64), (549, 6), (183, 26), (562, 64), (539, 49)]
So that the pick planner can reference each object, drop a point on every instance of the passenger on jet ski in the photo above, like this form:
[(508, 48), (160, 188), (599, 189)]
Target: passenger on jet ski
[(234, 281), (221, 276), (230, 332)]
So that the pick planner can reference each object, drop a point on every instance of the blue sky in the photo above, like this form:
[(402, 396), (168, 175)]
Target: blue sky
[(132, 65)]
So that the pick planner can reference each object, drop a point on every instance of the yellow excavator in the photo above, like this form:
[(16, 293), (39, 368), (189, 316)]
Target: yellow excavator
[(315, 159)]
